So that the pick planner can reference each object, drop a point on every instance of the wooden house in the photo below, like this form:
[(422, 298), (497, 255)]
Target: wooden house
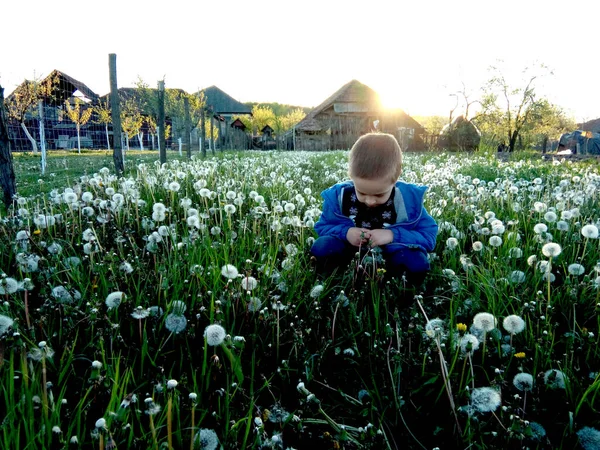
[(223, 108), (59, 131), (351, 111)]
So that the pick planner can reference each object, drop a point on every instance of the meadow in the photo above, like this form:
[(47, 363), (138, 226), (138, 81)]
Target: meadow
[(178, 307)]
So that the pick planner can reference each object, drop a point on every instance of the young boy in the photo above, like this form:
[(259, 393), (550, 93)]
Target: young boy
[(375, 209)]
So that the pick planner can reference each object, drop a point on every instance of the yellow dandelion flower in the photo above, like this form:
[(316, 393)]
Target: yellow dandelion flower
[(520, 355), (461, 327), (36, 232)]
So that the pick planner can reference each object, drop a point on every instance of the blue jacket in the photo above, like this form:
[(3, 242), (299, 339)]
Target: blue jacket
[(414, 226)]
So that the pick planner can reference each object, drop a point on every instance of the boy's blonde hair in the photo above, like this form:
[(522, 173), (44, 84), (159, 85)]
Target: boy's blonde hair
[(375, 155)]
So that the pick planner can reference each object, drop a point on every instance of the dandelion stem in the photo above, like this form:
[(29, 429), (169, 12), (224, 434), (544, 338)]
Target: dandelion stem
[(277, 334), (192, 427), (170, 422), (444, 373), (44, 385), (501, 424), (27, 310), (101, 441), (472, 372), (333, 322), (392, 376), (153, 432)]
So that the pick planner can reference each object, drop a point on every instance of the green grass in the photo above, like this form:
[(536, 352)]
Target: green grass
[(377, 370)]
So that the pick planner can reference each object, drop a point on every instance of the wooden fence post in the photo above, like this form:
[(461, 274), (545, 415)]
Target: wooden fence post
[(202, 132), (7, 171), (188, 126), (115, 109), (161, 123)]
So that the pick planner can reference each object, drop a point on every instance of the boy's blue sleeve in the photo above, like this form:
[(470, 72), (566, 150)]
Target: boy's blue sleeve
[(423, 233), (332, 222)]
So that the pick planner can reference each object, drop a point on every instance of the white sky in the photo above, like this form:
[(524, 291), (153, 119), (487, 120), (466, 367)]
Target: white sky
[(413, 52)]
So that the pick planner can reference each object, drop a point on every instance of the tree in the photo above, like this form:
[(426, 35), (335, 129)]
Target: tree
[(432, 124), (509, 104), (547, 121), (78, 117), (211, 131), (292, 118), (131, 122), (24, 100), (261, 116), (103, 114)]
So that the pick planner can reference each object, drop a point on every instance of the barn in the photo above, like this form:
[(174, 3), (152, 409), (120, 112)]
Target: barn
[(53, 91), (223, 110), (351, 111)]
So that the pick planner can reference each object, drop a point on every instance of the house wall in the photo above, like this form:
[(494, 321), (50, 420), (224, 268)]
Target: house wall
[(340, 131)]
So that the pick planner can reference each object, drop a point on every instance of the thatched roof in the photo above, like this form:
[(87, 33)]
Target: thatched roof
[(222, 103), (62, 87), (461, 134)]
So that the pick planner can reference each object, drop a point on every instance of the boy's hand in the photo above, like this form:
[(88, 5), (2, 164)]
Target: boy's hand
[(358, 236), (380, 237)]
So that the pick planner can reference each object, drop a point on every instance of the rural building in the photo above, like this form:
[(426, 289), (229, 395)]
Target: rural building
[(590, 125), (59, 130), (351, 111), (223, 109)]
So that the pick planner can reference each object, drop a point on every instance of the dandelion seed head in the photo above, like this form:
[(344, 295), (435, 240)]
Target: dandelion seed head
[(5, 323), (469, 343), (576, 269), (249, 283), (172, 384), (589, 438), (214, 334), (96, 365), (175, 323), (229, 271), (101, 423), (589, 231), (126, 267), (540, 228), (537, 431), (523, 381), (485, 321), (206, 439), (555, 379), (551, 249), (434, 328), (114, 299), (485, 399), (8, 285), (316, 291), (477, 246), (513, 324), (140, 313), (254, 304), (516, 276), (495, 241), (451, 243)]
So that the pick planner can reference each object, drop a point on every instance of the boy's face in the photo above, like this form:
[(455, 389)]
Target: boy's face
[(373, 192)]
